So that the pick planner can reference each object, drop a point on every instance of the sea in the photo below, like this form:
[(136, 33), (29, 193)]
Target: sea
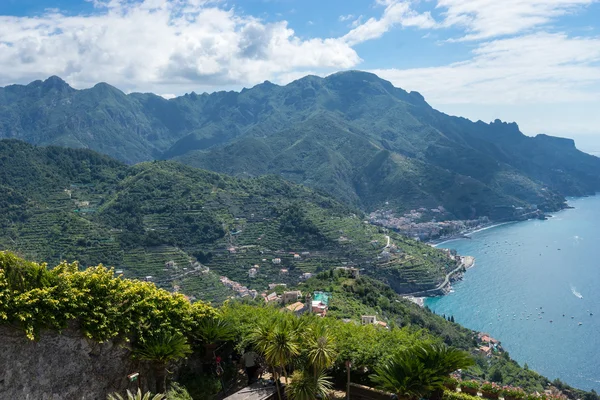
[(535, 286)]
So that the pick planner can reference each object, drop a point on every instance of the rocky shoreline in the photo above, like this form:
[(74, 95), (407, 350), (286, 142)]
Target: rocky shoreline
[(466, 262)]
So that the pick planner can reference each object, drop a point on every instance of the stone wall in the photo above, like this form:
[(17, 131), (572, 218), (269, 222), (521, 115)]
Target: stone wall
[(65, 366)]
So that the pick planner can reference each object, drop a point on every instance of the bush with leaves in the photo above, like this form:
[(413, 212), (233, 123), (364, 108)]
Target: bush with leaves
[(449, 395), (177, 392), (304, 386), (420, 370), (102, 306)]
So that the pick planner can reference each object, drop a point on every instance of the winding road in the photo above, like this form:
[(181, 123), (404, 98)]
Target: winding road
[(466, 262)]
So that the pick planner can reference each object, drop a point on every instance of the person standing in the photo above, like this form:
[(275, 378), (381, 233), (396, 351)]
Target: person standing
[(250, 360)]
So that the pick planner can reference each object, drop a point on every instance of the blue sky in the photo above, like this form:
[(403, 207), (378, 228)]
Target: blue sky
[(536, 62)]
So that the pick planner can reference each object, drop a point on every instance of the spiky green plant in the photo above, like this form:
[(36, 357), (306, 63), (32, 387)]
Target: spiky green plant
[(320, 345), (162, 350), (283, 346), (420, 370), (303, 386), (136, 396), (178, 392), (278, 343), (214, 330)]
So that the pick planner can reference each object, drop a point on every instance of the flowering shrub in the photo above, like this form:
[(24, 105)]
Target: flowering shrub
[(472, 384), (513, 392), (536, 396), (491, 387)]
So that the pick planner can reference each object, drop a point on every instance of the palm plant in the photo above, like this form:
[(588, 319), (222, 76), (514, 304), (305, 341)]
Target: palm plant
[(136, 396), (162, 350), (284, 346), (303, 386), (214, 330), (278, 343), (419, 370), (260, 337), (320, 346)]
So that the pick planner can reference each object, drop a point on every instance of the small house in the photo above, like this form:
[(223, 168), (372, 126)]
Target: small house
[(274, 285), (292, 296), (368, 319), (306, 275), (297, 308), (272, 298)]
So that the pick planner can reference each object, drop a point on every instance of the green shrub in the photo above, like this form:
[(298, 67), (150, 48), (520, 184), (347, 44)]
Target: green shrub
[(448, 395), (491, 387), (514, 392), (102, 306), (472, 384)]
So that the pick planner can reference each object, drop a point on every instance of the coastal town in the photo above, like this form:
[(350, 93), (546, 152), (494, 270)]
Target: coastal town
[(425, 224)]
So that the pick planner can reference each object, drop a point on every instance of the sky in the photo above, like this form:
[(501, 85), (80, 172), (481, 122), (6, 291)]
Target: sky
[(536, 62)]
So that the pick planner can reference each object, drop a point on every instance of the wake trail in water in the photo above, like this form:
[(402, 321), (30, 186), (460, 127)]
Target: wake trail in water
[(575, 292)]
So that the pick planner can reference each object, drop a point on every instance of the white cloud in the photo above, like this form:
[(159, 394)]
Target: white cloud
[(396, 13), (160, 45), (538, 68), (174, 46), (484, 19)]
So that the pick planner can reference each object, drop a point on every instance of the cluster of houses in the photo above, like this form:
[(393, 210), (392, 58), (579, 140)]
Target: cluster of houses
[(317, 303), (412, 223), (487, 344), (237, 287), (254, 270)]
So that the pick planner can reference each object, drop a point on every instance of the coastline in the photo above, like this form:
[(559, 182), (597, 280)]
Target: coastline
[(466, 263), (466, 233)]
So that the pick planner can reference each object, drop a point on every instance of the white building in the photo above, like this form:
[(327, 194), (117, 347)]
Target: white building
[(368, 319)]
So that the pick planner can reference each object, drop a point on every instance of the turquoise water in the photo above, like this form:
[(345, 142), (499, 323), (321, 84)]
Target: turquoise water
[(525, 268)]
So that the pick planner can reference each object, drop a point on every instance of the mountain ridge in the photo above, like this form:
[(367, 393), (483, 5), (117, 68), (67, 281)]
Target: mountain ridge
[(470, 168)]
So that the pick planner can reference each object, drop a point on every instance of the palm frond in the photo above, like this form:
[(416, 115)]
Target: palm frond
[(416, 371), (164, 348), (305, 387), (136, 396)]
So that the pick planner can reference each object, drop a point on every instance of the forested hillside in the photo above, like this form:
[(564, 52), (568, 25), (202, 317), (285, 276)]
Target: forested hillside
[(351, 134), (170, 222)]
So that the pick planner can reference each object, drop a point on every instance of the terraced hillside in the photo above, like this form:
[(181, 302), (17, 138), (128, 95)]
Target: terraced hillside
[(183, 227)]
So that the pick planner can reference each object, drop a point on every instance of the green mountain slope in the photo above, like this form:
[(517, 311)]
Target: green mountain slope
[(350, 134), (170, 221)]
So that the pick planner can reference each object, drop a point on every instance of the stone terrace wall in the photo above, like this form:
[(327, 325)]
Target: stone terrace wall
[(64, 366)]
